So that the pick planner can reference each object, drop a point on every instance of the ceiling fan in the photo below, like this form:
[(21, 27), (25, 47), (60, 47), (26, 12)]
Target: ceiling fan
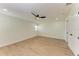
[(38, 16)]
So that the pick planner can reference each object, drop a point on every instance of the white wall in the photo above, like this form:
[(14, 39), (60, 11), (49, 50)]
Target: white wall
[(73, 28), (13, 30), (53, 29)]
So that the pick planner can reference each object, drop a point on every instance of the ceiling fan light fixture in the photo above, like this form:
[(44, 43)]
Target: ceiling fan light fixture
[(4, 9), (37, 18)]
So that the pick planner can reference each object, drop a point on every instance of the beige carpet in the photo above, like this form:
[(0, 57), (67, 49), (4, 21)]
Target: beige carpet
[(37, 46)]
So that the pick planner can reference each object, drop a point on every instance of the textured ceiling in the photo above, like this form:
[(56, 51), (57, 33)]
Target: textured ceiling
[(23, 10)]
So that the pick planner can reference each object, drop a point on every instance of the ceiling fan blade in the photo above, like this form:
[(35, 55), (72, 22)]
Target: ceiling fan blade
[(34, 14), (43, 17), (38, 16)]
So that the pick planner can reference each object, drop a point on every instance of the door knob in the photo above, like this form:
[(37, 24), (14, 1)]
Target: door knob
[(70, 34)]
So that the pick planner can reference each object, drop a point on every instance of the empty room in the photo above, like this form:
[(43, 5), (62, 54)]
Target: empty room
[(39, 29)]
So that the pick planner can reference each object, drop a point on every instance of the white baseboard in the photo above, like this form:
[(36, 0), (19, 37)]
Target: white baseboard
[(72, 50), (13, 42), (51, 37)]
